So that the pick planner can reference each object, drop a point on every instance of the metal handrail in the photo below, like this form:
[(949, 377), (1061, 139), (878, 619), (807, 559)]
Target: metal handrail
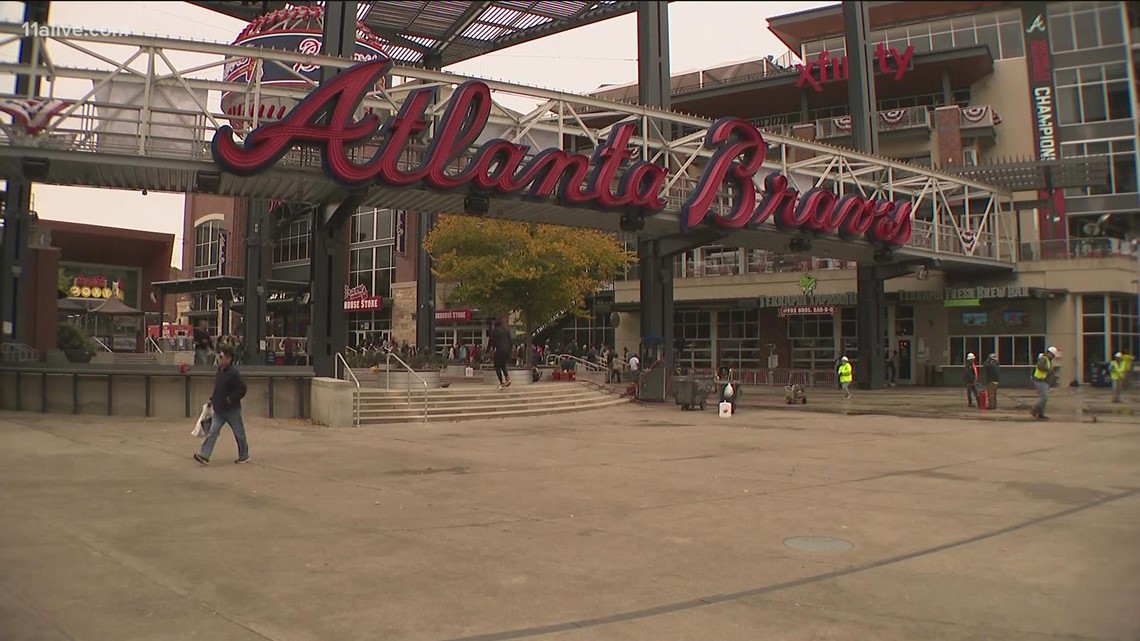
[(22, 353), (388, 374), (588, 364), (102, 344), (150, 342), (355, 395)]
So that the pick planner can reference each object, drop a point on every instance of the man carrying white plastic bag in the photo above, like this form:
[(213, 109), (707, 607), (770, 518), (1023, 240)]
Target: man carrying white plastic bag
[(202, 426), (229, 389)]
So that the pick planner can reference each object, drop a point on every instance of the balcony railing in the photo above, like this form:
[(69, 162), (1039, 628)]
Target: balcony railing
[(757, 262), (976, 117), (1076, 248), (889, 120)]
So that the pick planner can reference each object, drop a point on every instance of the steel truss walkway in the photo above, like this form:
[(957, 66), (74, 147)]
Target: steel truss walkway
[(139, 112)]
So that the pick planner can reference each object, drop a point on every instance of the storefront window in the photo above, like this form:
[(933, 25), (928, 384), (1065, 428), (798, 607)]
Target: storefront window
[(1125, 324), (1011, 350), (1084, 25), (1000, 31), (695, 328), (1014, 330), (370, 263), (207, 251), (812, 338), (292, 245), (738, 339)]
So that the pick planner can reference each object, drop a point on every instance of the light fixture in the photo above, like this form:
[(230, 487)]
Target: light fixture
[(208, 182), (35, 169), (476, 205), (799, 244), (632, 222), (884, 255)]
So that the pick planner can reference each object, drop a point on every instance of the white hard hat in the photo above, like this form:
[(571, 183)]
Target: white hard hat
[(970, 356), (844, 359), (1052, 350), (1118, 355)]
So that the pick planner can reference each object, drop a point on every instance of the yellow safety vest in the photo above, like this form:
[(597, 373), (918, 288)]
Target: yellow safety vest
[(1042, 374), (845, 373), (1116, 369)]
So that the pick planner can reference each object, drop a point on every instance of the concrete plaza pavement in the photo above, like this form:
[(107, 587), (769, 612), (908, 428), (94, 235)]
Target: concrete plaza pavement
[(630, 523)]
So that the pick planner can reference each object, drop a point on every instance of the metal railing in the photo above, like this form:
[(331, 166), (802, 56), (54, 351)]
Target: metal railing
[(102, 344), (337, 363), (388, 374), (776, 376), (152, 346), (18, 353), (558, 358), (888, 120), (1076, 248), (975, 117)]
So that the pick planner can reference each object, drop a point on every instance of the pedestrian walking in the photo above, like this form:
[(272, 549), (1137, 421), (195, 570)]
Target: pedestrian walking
[(992, 374), (1042, 379), (845, 377), (970, 378), (501, 347), (1117, 372), (229, 389)]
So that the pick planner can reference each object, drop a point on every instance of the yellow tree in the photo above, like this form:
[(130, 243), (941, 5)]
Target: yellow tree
[(537, 271)]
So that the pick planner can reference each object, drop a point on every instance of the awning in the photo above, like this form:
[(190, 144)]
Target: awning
[(214, 283), (116, 307)]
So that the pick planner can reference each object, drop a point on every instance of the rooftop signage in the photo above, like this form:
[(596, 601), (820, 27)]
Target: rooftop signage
[(325, 120), (825, 68)]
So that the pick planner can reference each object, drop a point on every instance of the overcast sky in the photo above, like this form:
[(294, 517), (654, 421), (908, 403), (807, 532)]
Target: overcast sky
[(702, 35)]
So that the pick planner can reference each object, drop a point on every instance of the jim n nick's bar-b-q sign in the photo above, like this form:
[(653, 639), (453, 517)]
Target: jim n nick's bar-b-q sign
[(325, 119)]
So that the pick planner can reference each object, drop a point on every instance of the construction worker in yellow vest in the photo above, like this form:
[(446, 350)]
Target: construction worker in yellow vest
[(1116, 370), (1127, 378), (1042, 380), (845, 377)]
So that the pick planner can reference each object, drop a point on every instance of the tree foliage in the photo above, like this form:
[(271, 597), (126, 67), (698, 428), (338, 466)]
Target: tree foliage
[(503, 267)]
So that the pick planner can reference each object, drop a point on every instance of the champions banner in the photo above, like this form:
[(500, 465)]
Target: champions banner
[(1046, 139)]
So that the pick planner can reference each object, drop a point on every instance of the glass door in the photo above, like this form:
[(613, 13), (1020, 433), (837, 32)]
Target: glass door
[(901, 354)]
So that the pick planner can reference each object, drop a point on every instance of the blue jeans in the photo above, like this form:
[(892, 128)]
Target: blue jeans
[(233, 417), (1042, 396)]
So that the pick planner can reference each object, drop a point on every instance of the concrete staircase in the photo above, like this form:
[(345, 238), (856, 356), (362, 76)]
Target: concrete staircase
[(133, 358), (475, 401)]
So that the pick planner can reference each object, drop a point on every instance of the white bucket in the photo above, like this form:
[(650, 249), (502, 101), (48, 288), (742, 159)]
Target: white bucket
[(469, 372), (725, 409)]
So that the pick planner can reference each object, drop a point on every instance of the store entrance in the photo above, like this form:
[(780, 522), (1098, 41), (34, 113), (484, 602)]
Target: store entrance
[(899, 327)]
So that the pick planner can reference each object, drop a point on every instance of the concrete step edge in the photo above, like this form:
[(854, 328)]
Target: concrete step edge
[(439, 418), (550, 407)]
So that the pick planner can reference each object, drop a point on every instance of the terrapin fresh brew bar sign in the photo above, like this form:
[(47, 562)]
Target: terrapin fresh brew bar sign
[(326, 120)]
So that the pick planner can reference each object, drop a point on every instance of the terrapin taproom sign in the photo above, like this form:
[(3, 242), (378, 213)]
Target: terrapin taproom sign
[(325, 120)]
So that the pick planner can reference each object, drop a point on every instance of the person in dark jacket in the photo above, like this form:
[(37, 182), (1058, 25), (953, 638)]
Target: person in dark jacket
[(500, 345), (992, 373), (229, 389), (970, 378)]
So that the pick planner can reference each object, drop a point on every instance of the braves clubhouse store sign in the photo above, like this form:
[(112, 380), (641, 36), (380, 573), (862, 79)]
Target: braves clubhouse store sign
[(325, 120)]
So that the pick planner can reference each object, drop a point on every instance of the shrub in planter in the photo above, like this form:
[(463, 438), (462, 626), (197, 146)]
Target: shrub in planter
[(74, 342)]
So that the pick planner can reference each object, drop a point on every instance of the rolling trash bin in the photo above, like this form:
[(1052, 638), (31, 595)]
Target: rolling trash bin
[(692, 391)]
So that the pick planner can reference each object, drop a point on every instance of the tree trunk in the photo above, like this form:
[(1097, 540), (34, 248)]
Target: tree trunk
[(528, 336)]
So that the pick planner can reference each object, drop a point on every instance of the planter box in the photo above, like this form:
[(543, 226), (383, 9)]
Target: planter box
[(78, 356)]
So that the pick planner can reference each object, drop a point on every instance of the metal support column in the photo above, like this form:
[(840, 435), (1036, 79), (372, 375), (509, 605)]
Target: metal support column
[(329, 261), (656, 270), (425, 279), (258, 234), (870, 295), (18, 205), (861, 78)]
